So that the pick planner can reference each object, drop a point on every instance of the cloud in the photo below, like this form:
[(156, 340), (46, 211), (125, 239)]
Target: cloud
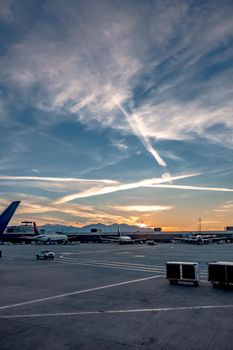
[(225, 208), (143, 208), (83, 73), (42, 210), (163, 62), (171, 117), (119, 144)]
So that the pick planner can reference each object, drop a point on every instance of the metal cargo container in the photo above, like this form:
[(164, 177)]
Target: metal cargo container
[(220, 273), (184, 271)]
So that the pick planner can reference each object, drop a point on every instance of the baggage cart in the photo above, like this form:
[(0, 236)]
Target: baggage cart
[(184, 271)]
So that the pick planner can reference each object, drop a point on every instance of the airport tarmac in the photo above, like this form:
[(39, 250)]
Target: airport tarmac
[(110, 296)]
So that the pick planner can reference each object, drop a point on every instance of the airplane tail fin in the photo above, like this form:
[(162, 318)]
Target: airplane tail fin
[(118, 232), (7, 215), (36, 231)]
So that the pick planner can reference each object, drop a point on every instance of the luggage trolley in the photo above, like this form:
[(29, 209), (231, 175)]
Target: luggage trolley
[(220, 273), (183, 271)]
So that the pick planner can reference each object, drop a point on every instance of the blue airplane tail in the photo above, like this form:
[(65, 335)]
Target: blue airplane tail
[(7, 215)]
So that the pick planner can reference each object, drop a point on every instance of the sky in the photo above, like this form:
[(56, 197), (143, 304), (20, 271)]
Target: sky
[(117, 111)]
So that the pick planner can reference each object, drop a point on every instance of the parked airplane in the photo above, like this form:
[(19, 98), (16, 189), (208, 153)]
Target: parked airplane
[(121, 239), (200, 239), (45, 238), (5, 218), (125, 239)]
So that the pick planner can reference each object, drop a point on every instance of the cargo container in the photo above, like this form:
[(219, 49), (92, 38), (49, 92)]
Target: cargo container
[(184, 271), (220, 273)]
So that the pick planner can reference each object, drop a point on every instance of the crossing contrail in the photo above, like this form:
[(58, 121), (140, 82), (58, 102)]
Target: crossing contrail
[(110, 189), (144, 139)]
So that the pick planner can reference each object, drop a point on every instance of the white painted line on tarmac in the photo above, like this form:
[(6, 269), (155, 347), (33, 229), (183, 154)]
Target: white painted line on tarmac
[(101, 312), (114, 267), (122, 266), (85, 252), (78, 292), (129, 268), (111, 262)]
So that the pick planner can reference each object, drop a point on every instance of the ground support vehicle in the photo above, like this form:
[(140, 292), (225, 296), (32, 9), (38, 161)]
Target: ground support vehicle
[(45, 255)]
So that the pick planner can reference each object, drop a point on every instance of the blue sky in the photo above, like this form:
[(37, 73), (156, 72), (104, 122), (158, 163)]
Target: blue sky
[(117, 111)]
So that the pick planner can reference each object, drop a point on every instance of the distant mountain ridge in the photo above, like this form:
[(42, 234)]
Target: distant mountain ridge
[(87, 229)]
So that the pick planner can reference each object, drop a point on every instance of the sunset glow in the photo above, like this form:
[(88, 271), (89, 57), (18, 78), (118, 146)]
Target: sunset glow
[(117, 112)]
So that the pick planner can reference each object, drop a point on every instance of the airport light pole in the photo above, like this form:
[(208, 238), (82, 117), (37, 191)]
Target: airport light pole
[(199, 225)]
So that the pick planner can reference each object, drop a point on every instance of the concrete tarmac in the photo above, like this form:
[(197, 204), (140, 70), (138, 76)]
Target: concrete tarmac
[(110, 296)]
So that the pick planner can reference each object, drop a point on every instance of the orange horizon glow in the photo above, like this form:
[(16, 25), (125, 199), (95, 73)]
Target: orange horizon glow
[(218, 226)]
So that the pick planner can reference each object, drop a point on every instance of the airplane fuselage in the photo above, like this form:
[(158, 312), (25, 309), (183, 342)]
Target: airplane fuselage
[(125, 240), (52, 238)]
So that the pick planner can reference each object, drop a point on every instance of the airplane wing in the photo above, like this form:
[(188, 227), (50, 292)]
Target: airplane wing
[(140, 240), (214, 239), (30, 238), (185, 240), (109, 239)]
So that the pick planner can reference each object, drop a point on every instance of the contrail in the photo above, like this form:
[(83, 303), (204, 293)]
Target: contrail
[(196, 188), (144, 140), (110, 189), (56, 179)]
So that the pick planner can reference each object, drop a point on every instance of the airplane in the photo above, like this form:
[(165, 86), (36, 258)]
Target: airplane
[(125, 239), (121, 239), (5, 218), (46, 238), (200, 239)]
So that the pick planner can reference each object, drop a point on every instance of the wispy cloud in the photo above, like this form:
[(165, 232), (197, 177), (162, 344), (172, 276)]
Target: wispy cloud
[(174, 124), (143, 208), (225, 208), (83, 82), (42, 210), (158, 72), (119, 144)]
